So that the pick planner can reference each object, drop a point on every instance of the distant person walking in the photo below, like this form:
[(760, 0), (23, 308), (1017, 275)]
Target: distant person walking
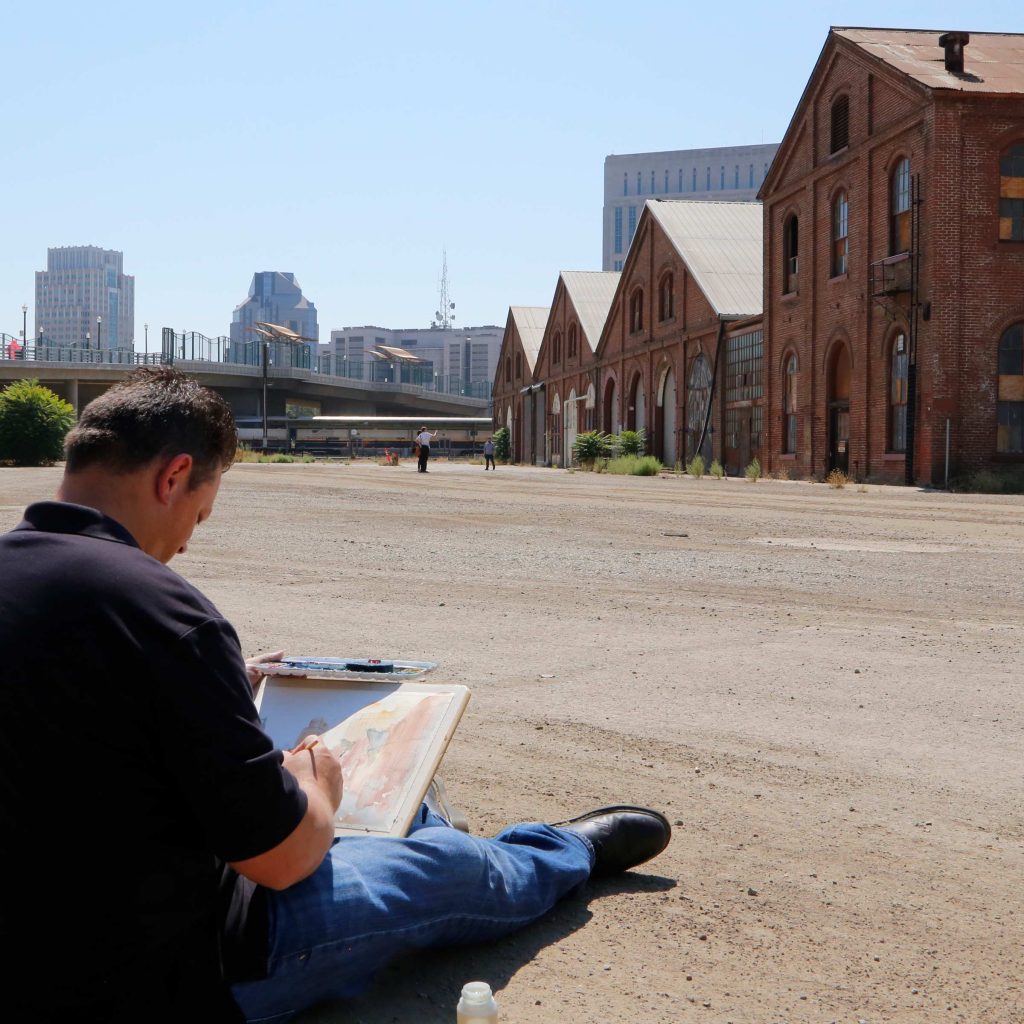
[(423, 439), (488, 454)]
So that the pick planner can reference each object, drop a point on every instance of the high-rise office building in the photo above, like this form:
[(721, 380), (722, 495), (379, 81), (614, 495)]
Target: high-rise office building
[(274, 298), (84, 299), (733, 173), (454, 360)]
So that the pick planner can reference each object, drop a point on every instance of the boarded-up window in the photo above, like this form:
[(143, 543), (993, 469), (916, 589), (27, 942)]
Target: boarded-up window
[(899, 206), (1010, 406), (840, 124), (1011, 194)]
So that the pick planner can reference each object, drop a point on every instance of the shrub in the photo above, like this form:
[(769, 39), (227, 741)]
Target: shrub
[(782, 473), (633, 465), (502, 445), (632, 442), (591, 446), (991, 481), (837, 479), (717, 470), (695, 467), (753, 471), (33, 424), (648, 465)]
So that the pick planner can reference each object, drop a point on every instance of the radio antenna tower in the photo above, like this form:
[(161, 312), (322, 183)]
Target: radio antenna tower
[(444, 317)]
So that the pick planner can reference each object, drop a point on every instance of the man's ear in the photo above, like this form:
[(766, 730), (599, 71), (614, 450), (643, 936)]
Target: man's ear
[(173, 478)]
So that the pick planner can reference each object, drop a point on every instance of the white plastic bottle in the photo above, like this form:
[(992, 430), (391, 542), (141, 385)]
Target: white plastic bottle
[(477, 1005)]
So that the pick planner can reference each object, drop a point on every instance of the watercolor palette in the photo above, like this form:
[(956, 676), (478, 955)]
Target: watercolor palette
[(307, 667), (390, 735)]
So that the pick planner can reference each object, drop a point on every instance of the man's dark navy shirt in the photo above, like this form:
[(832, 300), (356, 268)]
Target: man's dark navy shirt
[(132, 769)]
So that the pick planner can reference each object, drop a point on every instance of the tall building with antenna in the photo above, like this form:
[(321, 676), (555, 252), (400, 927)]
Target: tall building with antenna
[(441, 357)]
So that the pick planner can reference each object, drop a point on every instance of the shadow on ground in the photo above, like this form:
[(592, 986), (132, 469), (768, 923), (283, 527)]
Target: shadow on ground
[(425, 986)]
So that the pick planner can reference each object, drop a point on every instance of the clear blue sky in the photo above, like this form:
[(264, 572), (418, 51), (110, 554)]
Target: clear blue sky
[(348, 143)]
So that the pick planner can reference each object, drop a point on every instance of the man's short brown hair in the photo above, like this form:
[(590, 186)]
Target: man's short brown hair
[(154, 412)]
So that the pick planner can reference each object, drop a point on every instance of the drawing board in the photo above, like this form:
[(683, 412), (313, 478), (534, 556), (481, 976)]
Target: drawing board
[(390, 735)]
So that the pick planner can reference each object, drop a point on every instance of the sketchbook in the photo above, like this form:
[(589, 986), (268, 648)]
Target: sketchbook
[(390, 735)]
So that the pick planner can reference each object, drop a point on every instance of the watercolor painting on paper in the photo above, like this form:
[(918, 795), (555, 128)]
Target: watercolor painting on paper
[(390, 739)]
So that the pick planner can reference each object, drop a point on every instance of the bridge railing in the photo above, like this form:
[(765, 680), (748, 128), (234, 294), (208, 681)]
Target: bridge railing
[(196, 352), (36, 352)]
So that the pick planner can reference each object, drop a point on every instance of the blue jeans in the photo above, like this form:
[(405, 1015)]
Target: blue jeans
[(374, 898)]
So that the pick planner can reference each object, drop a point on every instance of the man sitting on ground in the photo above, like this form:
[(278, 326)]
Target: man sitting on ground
[(156, 846)]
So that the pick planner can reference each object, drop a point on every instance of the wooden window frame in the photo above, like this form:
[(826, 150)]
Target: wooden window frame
[(841, 233), (1011, 193), (899, 208)]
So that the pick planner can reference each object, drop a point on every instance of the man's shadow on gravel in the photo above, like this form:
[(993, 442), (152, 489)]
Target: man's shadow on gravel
[(425, 986)]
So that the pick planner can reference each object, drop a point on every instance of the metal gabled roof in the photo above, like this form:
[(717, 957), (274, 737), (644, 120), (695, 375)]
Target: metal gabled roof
[(530, 322), (993, 61), (591, 292), (721, 245)]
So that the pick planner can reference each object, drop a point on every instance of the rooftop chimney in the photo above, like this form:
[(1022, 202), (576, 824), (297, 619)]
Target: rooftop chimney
[(954, 43)]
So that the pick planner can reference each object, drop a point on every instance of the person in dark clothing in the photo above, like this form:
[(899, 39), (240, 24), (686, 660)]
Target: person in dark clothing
[(165, 862)]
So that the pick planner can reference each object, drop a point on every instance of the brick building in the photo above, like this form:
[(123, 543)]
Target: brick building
[(894, 259), (513, 381), (687, 311), (565, 393)]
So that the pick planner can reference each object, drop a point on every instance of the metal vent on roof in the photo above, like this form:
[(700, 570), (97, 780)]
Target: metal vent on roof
[(954, 43)]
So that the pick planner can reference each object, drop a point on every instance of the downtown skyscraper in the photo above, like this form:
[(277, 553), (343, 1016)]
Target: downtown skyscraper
[(84, 299)]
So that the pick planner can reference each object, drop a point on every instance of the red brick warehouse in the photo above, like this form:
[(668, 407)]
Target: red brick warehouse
[(681, 350), (894, 259), (514, 377)]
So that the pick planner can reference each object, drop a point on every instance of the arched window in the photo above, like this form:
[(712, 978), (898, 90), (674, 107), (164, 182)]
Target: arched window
[(840, 137), (840, 233), (508, 369), (899, 364), (556, 347), (666, 298), (636, 311), (790, 253), (572, 340), (899, 209), (519, 366), (1010, 406), (789, 407), (1011, 194)]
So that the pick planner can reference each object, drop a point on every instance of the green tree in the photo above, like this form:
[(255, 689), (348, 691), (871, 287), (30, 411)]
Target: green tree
[(502, 445), (33, 423)]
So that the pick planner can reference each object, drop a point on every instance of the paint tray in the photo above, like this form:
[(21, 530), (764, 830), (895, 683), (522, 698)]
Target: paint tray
[(309, 667), (391, 736)]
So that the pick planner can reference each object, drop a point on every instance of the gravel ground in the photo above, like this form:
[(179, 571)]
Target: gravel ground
[(821, 688)]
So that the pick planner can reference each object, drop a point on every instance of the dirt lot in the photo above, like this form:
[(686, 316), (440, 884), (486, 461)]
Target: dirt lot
[(822, 689)]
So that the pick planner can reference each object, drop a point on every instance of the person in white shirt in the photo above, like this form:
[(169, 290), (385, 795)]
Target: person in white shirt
[(423, 439)]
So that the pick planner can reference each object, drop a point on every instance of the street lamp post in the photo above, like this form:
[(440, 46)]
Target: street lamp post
[(145, 328), (265, 345), (24, 323), (88, 345), (99, 332)]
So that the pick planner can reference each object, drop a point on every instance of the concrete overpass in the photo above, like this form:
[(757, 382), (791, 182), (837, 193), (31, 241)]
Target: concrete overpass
[(242, 386)]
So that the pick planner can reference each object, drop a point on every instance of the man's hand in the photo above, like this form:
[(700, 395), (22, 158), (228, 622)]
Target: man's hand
[(313, 762), (252, 667), (318, 771)]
